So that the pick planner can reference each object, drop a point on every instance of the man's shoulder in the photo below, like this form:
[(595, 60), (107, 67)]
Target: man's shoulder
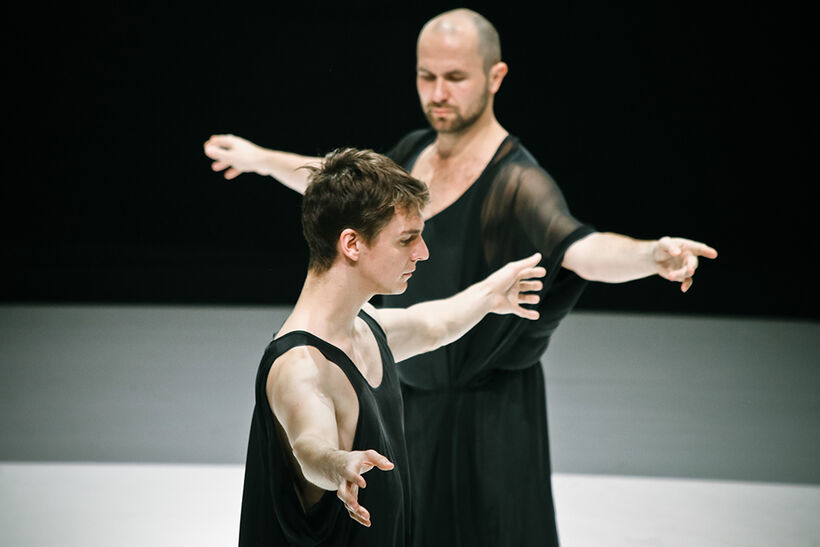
[(410, 143), (303, 368), (520, 155), (519, 165), (298, 364)]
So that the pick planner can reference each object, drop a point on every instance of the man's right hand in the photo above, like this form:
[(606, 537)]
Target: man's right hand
[(235, 154), (351, 468)]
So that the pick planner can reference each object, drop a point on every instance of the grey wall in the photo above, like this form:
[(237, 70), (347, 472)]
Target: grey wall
[(699, 397)]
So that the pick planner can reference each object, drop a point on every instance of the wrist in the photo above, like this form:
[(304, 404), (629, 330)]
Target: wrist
[(320, 465), (652, 256), (262, 161), (486, 295)]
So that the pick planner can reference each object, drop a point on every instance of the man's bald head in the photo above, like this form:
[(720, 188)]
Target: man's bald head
[(468, 24)]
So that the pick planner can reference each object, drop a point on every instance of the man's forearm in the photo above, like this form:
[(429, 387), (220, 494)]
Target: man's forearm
[(611, 258), (429, 325), (449, 319), (285, 167), (319, 461)]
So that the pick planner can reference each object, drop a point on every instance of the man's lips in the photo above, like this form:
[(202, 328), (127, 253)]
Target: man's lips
[(440, 110)]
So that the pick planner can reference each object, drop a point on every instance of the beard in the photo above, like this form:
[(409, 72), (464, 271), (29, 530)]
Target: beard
[(459, 122)]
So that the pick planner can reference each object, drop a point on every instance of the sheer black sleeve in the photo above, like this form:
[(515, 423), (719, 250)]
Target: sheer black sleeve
[(524, 211), (525, 201)]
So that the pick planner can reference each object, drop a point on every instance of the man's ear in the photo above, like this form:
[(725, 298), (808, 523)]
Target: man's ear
[(350, 244), (497, 73)]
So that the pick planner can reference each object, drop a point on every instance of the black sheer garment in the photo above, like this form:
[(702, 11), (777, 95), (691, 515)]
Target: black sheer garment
[(271, 511), (475, 410)]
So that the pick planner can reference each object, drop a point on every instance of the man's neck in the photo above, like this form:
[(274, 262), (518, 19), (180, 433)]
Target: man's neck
[(328, 305), (486, 131)]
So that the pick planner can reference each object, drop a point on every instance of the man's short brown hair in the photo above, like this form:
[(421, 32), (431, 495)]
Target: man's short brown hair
[(357, 189)]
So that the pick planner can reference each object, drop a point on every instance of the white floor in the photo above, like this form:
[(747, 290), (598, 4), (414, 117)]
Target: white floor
[(88, 505)]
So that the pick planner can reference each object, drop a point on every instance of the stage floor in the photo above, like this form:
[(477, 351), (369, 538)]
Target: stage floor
[(85, 505)]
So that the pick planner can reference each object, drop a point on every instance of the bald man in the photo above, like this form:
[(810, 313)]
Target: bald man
[(475, 410)]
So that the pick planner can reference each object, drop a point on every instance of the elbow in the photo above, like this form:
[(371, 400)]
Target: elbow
[(300, 449), (583, 269), (302, 454), (589, 257), (437, 335)]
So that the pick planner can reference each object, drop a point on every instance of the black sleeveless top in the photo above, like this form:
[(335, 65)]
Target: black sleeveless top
[(512, 210), (271, 512), (478, 405)]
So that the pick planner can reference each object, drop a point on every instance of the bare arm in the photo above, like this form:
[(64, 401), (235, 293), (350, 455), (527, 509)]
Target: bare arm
[(426, 326), (298, 393), (239, 155), (615, 258)]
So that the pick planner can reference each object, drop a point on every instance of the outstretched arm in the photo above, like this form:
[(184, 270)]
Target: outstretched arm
[(426, 326), (615, 258), (299, 396), (236, 155)]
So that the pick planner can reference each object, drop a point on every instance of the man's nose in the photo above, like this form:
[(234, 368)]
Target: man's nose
[(421, 251), (440, 91)]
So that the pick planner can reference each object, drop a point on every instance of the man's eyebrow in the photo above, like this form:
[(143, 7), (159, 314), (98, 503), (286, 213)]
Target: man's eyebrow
[(454, 72)]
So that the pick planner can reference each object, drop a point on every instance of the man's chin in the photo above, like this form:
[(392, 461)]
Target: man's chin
[(448, 127), (441, 125), (400, 288)]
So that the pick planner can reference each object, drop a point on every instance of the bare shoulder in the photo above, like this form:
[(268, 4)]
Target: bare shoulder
[(372, 311), (300, 372), (298, 364)]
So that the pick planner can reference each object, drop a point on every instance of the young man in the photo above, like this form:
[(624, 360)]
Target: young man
[(479, 405), (328, 401)]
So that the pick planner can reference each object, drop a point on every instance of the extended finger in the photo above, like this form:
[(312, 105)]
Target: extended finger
[(528, 298), (526, 286), (528, 262), (686, 284), (348, 493), (359, 514), (232, 173), (532, 273), (222, 141), (526, 313), (359, 518), (374, 459), (219, 165), (215, 146), (213, 151), (533, 259), (704, 250)]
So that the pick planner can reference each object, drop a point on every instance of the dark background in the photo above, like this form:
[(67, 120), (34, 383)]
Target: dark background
[(655, 119)]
